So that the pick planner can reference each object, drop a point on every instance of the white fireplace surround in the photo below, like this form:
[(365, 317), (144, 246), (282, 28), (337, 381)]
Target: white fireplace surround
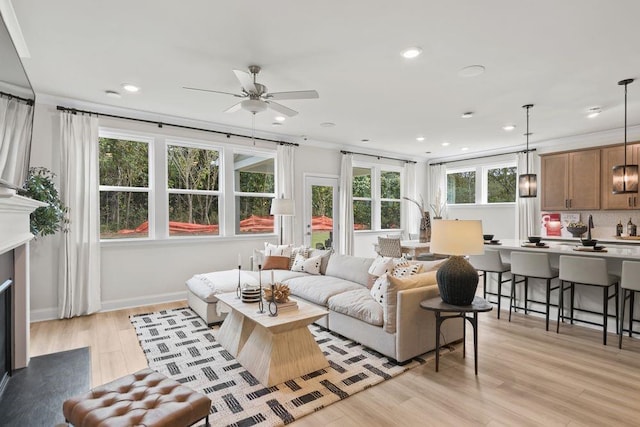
[(15, 235)]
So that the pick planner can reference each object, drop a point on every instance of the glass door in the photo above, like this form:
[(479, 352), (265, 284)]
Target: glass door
[(321, 212)]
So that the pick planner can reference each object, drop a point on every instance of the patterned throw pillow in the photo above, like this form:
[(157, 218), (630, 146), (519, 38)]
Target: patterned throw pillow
[(400, 262), (302, 250), (406, 270), (379, 289), (278, 250), (307, 265)]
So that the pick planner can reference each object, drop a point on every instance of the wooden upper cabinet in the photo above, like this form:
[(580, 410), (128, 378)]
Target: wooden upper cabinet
[(571, 181), (613, 156)]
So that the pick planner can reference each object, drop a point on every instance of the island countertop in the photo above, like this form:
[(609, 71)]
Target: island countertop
[(619, 252)]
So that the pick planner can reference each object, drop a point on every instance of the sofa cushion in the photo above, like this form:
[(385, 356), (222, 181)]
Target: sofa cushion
[(279, 276), (207, 286), (349, 268), (397, 284), (318, 289), (276, 262), (358, 304)]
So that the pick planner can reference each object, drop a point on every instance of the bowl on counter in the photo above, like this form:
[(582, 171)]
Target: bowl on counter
[(587, 242), (487, 237), (577, 231), (534, 239)]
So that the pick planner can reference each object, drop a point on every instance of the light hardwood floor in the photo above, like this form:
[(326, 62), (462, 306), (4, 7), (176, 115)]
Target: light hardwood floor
[(527, 376)]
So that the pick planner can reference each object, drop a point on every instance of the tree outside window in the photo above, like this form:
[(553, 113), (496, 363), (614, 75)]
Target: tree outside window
[(501, 184), (254, 189), (461, 187), (361, 198), (390, 200), (124, 188)]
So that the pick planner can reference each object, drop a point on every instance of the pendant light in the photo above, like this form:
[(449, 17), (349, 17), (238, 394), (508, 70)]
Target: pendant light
[(528, 182), (625, 177)]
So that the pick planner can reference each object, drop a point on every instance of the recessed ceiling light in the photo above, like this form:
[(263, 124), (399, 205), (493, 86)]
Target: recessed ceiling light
[(471, 71), (280, 118), (411, 52), (327, 124), (427, 152), (508, 128), (420, 138), (364, 141), (593, 112), (445, 144), (467, 115), (464, 148), (130, 88), (112, 94), (276, 124)]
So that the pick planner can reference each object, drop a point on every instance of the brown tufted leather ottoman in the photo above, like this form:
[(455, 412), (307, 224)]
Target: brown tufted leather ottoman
[(145, 398)]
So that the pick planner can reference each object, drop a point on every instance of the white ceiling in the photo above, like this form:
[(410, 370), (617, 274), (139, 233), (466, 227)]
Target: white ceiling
[(563, 56)]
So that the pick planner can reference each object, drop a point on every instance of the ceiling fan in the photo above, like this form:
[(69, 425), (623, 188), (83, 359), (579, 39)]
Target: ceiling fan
[(258, 98)]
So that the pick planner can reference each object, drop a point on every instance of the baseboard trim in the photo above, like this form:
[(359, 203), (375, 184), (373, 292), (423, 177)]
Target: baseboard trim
[(42, 314)]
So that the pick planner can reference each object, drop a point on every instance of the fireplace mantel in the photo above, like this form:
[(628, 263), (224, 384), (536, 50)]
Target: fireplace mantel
[(15, 235)]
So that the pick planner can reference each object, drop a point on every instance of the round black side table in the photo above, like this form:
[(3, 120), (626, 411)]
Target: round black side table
[(468, 312)]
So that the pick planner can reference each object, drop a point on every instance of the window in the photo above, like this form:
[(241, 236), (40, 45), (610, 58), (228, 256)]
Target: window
[(494, 183), (461, 187), (254, 188), (361, 199), (193, 184), (124, 188), (376, 198), (389, 200)]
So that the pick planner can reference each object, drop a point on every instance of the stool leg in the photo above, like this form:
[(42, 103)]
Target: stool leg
[(499, 292), (560, 306), (624, 299), (573, 293), (631, 303), (484, 281), (605, 300), (512, 294), (617, 289), (548, 297), (526, 294)]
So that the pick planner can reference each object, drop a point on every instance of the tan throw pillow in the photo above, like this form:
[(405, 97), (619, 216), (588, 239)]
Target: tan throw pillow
[(273, 262), (395, 284)]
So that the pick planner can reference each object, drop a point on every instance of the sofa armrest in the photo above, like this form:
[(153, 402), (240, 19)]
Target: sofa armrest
[(416, 326)]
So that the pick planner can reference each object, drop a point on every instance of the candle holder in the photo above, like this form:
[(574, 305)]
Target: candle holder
[(238, 290), (273, 306), (260, 303)]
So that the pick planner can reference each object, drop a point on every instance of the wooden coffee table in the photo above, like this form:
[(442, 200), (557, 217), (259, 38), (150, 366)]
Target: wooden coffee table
[(272, 349)]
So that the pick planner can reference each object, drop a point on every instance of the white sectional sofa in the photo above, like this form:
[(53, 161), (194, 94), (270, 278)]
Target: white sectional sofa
[(397, 328)]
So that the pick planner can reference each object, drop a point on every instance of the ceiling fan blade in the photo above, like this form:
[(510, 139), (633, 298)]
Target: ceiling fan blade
[(246, 81), (281, 109), (297, 94), (234, 108), (214, 91)]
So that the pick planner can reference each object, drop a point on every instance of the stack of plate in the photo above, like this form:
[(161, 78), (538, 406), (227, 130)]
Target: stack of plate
[(251, 295)]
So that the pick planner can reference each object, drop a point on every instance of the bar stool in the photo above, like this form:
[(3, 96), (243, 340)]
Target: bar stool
[(630, 284), (587, 271), (531, 265), (491, 262)]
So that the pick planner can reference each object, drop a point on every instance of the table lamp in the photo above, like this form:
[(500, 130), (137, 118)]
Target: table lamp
[(281, 207), (457, 279)]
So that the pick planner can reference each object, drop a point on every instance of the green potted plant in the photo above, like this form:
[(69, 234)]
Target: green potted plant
[(49, 219)]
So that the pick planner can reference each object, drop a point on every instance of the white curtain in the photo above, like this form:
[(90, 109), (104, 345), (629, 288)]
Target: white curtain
[(526, 217), (285, 186), (437, 188), (346, 205), (411, 218), (15, 131), (79, 291)]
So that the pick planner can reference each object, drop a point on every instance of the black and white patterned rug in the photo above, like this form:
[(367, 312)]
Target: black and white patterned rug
[(179, 344)]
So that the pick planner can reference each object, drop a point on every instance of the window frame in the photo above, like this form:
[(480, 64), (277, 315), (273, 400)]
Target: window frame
[(482, 182), (376, 195)]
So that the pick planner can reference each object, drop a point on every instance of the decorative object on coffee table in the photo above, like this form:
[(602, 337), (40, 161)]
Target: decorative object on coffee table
[(260, 303), (279, 292), (457, 279)]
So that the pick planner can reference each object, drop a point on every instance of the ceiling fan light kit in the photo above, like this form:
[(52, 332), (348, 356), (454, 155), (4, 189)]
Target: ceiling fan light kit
[(258, 97)]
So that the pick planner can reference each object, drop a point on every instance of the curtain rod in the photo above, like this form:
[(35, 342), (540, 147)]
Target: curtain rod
[(377, 156), (25, 100), (161, 124), (482, 157)]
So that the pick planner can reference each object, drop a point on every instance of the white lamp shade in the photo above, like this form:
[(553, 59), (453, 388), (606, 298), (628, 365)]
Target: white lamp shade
[(453, 237), (282, 207)]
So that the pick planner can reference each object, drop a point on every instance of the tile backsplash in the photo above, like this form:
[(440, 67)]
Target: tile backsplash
[(604, 222)]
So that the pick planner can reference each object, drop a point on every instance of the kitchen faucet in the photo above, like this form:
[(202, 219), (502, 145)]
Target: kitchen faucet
[(590, 226)]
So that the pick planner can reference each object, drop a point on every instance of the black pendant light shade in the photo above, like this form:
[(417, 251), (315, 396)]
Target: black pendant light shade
[(528, 182), (625, 177)]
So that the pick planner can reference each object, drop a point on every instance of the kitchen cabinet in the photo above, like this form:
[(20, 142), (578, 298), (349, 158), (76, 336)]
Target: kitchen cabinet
[(570, 181), (610, 157)]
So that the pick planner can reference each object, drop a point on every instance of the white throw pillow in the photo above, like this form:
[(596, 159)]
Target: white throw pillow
[(302, 250), (379, 289), (277, 250), (307, 265), (381, 265)]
